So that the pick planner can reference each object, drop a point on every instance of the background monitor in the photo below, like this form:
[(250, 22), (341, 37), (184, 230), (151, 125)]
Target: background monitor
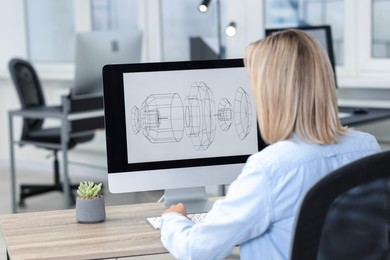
[(201, 50), (178, 127), (98, 48), (322, 33)]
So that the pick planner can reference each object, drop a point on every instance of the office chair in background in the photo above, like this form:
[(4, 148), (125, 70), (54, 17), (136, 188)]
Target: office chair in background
[(346, 215), (31, 95)]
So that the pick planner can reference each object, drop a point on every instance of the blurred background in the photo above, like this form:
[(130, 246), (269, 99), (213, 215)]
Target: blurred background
[(55, 36)]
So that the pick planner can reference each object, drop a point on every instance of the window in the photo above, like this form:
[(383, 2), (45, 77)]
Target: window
[(51, 25), (360, 25), (181, 21), (50, 30), (285, 13), (372, 37), (169, 25), (113, 15), (380, 32)]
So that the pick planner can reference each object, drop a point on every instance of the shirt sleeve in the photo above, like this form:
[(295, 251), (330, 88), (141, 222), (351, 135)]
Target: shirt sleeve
[(243, 214)]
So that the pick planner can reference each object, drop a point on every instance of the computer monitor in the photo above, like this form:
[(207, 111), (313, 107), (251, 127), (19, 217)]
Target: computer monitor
[(322, 33), (178, 127), (98, 48), (200, 50)]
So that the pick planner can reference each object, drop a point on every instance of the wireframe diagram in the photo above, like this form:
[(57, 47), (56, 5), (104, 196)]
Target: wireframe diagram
[(164, 118), (200, 119), (242, 113), (160, 118), (225, 114)]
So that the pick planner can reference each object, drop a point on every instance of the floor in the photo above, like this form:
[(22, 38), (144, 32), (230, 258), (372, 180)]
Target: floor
[(54, 201)]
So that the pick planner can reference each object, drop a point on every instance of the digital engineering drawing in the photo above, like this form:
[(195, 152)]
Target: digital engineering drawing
[(164, 118)]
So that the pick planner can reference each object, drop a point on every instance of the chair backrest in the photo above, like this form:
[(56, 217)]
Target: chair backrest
[(346, 214), (29, 89)]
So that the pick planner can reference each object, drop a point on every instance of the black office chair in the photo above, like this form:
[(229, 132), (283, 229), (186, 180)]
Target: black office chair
[(346, 215), (31, 95)]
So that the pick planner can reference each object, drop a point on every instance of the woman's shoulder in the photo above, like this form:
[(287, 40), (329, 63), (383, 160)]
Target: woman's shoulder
[(278, 153), (358, 140), (358, 134), (295, 151)]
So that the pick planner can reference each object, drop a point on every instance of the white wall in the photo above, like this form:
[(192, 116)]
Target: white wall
[(13, 41)]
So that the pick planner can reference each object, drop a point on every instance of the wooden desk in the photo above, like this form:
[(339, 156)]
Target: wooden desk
[(57, 235)]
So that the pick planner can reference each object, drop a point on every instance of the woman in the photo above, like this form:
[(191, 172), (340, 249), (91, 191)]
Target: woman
[(293, 85)]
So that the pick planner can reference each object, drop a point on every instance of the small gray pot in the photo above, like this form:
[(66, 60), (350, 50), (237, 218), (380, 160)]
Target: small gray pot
[(90, 210)]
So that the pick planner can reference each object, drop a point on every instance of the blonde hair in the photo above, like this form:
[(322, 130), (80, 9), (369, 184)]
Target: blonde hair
[(293, 83)]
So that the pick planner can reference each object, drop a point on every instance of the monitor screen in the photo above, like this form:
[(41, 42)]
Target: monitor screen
[(98, 48), (322, 33), (175, 125)]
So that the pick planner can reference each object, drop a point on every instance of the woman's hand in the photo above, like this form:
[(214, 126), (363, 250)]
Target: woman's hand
[(179, 208)]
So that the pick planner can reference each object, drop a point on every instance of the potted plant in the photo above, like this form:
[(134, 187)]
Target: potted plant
[(90, 206)]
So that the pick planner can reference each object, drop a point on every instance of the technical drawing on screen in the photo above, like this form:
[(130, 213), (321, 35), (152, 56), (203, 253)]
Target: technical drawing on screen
[(178, 125)]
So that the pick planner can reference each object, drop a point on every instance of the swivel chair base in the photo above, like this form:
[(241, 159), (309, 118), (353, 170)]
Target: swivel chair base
[(29, 190)]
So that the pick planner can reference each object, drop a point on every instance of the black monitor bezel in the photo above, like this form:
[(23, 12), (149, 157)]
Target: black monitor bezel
[(329, 41), (114, 110)]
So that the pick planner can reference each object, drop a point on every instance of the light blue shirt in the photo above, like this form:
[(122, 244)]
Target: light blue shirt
[(259, 210)]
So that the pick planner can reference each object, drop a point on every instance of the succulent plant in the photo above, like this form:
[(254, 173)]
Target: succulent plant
[(89, 190)]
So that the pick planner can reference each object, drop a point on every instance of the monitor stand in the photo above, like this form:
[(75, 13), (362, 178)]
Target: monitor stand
[(195, 199)]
